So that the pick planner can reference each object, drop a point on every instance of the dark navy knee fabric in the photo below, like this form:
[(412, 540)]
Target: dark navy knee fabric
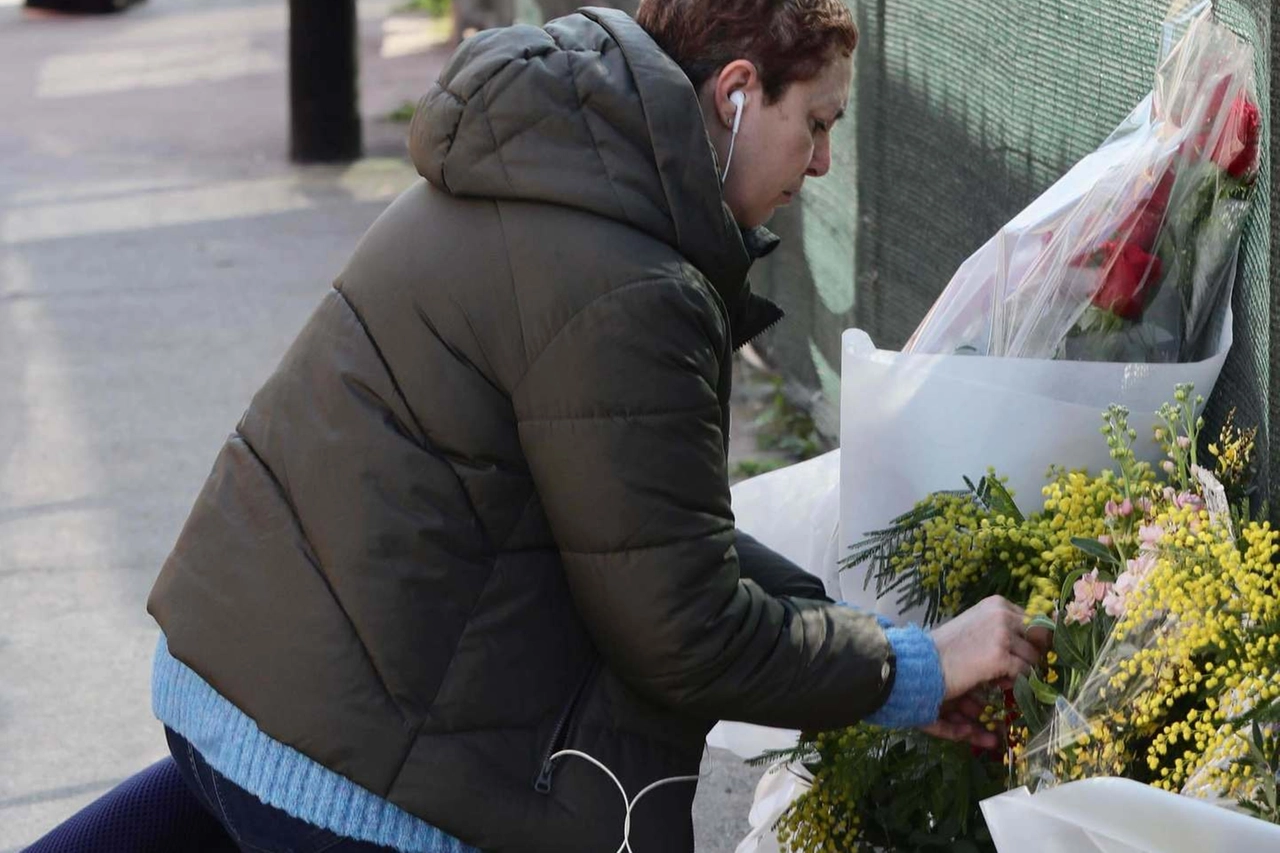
[(150, 812), (254, 826)]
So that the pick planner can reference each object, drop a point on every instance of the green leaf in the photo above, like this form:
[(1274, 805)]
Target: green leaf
[(1029, 705), (1255, 750), (1042, 622), (1064, 595), (1046, 693), (1071, 653), (999, 499), (1096, 549)]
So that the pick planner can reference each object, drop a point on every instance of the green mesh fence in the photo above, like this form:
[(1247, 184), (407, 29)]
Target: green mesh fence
[(539, 11), (962, 113)]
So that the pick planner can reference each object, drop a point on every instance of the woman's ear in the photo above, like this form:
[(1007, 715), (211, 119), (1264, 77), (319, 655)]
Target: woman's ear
[(739, 76)]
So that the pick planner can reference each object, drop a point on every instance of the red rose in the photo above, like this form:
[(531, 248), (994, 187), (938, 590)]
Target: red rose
[(1142, 226), (1130, 273), (1200, 141), (1237, 148)]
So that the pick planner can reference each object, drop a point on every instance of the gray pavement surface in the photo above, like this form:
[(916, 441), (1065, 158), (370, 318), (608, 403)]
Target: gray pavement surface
[(157, 255)]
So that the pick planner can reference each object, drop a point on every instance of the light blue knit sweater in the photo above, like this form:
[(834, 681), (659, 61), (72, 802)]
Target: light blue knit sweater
[(277, 774), (282, 777)]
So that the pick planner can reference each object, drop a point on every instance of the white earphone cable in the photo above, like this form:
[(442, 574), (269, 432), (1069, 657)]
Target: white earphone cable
[(738, 99), (724, 176), (629, 803)]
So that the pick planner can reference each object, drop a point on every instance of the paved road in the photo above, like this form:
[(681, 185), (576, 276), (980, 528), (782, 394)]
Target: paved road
[(157, 254)]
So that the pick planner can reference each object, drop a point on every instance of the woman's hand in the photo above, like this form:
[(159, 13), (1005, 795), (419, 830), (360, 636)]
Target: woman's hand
[(987, 643), (960, 719)]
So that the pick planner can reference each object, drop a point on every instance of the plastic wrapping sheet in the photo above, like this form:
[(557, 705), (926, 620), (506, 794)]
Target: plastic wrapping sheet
[(1130, 254), (1110, 815), (914, 424)]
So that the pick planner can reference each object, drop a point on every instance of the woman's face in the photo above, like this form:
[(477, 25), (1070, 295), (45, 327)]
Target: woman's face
[(778, 144)]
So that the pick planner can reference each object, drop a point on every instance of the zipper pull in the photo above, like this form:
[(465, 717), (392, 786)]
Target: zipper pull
[(543, 783)]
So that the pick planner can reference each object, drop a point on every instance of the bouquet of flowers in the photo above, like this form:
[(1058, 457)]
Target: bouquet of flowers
[(1129, 255), (1167, 652), (1164, 601), (1111, 288)]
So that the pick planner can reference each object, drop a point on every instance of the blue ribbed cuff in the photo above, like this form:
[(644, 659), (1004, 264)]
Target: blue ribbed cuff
[(918, 686)]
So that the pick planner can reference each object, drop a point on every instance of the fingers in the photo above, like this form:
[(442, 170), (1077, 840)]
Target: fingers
[(1041, 638), (1001, 603), (977, 736), (984, 739), (987, 643), (963, 732), (961, 720), (1025, 652), (942, 729), (969, 707), (949, 730)]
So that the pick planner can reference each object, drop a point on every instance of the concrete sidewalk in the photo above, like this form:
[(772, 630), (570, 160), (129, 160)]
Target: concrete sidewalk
[(157, 255)]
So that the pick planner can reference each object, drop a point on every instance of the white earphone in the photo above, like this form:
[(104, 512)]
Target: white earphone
[(738, 98)]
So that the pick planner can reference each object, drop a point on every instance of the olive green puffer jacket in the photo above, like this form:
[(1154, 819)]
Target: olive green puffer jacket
[(481, 511)]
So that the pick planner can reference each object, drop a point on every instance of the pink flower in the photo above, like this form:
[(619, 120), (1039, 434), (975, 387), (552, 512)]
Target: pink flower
[(1188, 500), (1122, 509), (1168, 466), (1125, 584), (1149, 536), (1139, 566), (1089, 589), (1106, 541), (1079, 611), (1144, 504), (1184, 442), (1118, 596), (1115, 602), (1183, 500)]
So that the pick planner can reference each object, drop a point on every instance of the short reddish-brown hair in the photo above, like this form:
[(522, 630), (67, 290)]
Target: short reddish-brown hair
[(788, 40)]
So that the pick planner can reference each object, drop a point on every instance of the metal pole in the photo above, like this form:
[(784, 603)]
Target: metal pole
[(323, 81)]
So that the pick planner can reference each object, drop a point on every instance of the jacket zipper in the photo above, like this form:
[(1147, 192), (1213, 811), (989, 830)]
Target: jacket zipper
[(755, 307), (560, 734), (755, 335)]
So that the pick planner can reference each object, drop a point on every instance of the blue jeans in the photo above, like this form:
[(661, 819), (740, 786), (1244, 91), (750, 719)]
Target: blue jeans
[(255, 826)]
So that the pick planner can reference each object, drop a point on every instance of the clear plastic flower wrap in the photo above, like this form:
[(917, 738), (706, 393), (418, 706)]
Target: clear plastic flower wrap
[(1130, 255), (1168, 660), (1088, 736)]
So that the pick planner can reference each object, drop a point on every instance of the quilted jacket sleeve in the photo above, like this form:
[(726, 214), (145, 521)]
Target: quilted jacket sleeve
[(620, 421), (774, 573)]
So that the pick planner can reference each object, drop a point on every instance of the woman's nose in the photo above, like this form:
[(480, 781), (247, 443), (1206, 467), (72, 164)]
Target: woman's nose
[(820, 163)]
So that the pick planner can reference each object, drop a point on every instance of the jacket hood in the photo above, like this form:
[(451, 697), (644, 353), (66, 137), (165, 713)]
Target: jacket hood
[(589, 113)]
